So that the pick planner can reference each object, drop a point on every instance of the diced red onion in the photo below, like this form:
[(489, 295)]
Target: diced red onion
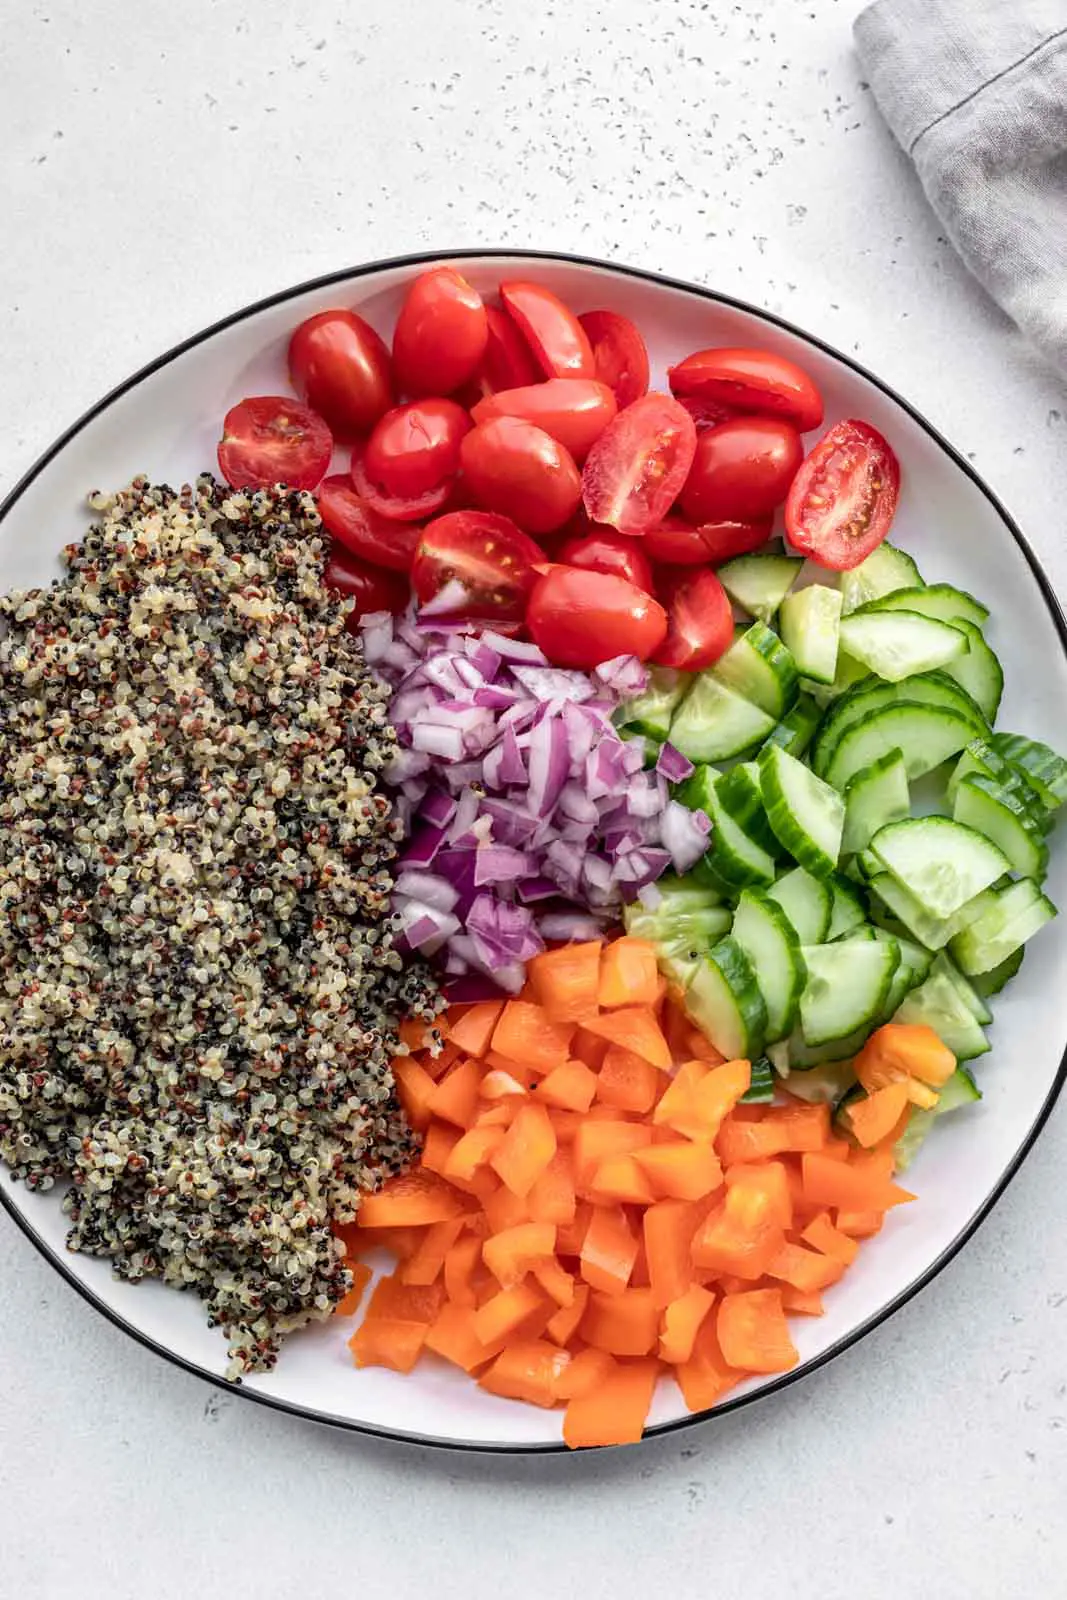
[(448, 600), (377, 633), (497, 863), (554, 683), (514, 649), (426, 841), (437, 741), (623, 675), (531, 890), (672, 765), (685, 835), (438, 808), (560, 927), (433, 891)]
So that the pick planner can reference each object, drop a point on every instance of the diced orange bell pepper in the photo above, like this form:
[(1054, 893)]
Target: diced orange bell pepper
[(625, 1324), (505, 1210), (686, 1041), (874, 1117), (505, 1311), (396, 1301), (682, 1320), (530, 1370), (413, 1198), (615, 1411), (500, 1085), (636, 1029), (570, 1235), (571, 1087), (455, 1097), (753, 1332), (528, 1147), (770, 1178), (707, 1375), (596, 1140), (427, 1263), (555, 1280), (526, 1036), (415, 1090), (821, 1234), (860, 1224), (609, 1250), (400, 1242), (565, 981), (473, 1150), (461, 1264), (627, 1081), (804, 1269), (452, 1337), (588, 1047), (620, 1179), (669, 1227), (803, 1302), (414, 1033), (681, 1171), (441, 1139), (743, 1234), (497, 1114), (552, 1198), (780, 1129), (629, 975), (564, 1323), (510, 1255), (472, 1032), (584, 1372), (913, 1049), (437, 1065), (385, 1342), (348, 1305), (845, 1185)]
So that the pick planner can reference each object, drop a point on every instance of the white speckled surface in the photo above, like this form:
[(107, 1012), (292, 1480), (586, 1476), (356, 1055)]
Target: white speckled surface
[(155, 175)]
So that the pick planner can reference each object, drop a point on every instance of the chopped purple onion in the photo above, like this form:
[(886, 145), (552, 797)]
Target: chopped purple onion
[(672, 765)]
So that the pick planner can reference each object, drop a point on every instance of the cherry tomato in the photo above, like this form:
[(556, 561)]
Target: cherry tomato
[(678, 543), (575, 411), (516, 468), (398, 507), (639, 464), (580, 619), (751, 380), (342, 369), (844, 496), (741, 470), (440, 334), (609, 552), (700, 620), (619, 353), (508, 362), (554, 334), (705, 413), (362, 530), (273, 439), (414, 447), (488, 560), (371, 588)]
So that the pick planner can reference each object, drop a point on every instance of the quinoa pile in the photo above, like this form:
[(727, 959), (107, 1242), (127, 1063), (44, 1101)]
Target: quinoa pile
[(199, 992)]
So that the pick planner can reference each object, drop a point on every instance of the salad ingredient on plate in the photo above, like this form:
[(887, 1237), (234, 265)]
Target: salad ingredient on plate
[(341, 367), (441, 334), (620, 354)]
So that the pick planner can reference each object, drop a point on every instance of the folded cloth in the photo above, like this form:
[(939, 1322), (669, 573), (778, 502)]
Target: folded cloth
[(976, 93)]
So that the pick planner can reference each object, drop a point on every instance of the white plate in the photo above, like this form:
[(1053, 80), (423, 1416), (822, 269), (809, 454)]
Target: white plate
[(165, 422)]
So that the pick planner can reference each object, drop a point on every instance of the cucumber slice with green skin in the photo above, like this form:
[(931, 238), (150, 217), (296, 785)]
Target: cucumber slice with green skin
[(810, 625), (848, 908), (1045, 769), (875, 797), (900, 644), (769, 940), (988, 984), (804, 1058), (980, 757), (797, 729), (741, 796), (822, 1086), (807, 902), (724, 999), (938, 600), (960, 1090), (736, 855), (713, 723), (849, 673), (847, 986), (941, 863), (915, 959), (807, 816), (760, 1091), (933, 933), (978, 671), (1021, 910), (885, 570), (696, 931), (758, 667), (681, 895), (759, 583), (927, 735), (651, 712), (861, 703), (778, 1056), (937, 1004), (966, 990), (981, 803), (678, 963)]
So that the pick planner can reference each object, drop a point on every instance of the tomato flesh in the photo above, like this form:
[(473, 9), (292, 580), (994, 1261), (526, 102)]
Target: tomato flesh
[(757, 381), (619, 354), (272, 439), (612, 553), (398, 507), (700, 621), (741, 470), (440, 335), (678, 543), (362, 530), (508, 362), (415, 447), (639, 464), (477, 565), (705, 413), (844, 496), (575, 411), (580, 619), (372, 588), (552, 331), (341, 367), (518, 469)]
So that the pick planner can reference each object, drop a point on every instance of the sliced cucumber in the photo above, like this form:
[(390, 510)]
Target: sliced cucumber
[(937, 1003), (762, 1084), (651, 712), (810, 624), (804, 1057), (848, 908), (1046, 770), (874, 797), (741, 796), (735, 855), (966, 990), (869, 696), (960, 1090), (900, 644), (692, 930), (680, 895), (758, 667), (983, 804), (942, 863), (846, 989), (927, 735), (822, 1086), (759, 583), (807, 816), (849, 673), (915, 958), (978, 670), (938, 600), (769, 940), (724, 999), (796, 730), (1020, 912), (988, 984), (807, 903), (981, 757), (713, 723), (678, 962), (884, 570), (908, 976), (933, 933)]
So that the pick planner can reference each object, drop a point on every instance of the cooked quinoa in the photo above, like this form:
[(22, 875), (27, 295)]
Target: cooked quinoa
[(199, 992)]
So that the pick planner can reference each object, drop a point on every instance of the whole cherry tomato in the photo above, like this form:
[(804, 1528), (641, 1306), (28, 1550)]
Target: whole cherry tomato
[(700, 622), (353, 523), (609, 552), (575, 411), (342, 368), (638, 465), (515, 468), (677, 542), (580, 619), (755, 381), (415, 447), (272, 439), (843, 498), (741, 470), (477, 566), (440, 334), (551, 330), (619, 353)]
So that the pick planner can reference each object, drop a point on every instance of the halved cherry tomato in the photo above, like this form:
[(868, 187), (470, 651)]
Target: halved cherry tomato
[(477, 565), (609, 552), (639, 464), (843, 498), (372, 588), (361, 529), (440, 335), (342, 368), (508, 362), (741, 470), (271, 439), (700, 622), (705, 413), (516, 468), (620, 354), (551, 329), (756, 381), (580, 619), (399, 507), (678, 543), (575, 411), (415, 447)]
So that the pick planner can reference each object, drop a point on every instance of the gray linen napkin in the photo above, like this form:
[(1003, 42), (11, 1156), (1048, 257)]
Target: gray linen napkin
[(976, 93)]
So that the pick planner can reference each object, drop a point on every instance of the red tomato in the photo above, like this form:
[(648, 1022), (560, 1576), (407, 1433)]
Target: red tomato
[(414, 447), (398, 507), (508, 362), (678, 543), (440, 334), (361, 529), (619, 354), (638, 465), (341, 367), (705, 413), (488, 560), (741, 470), (580, 619), (751, 380), (551, 329), (609, 552), (844, 496), (516, 468), (273, 439), (700, 620), (370, 587), (575, 411)]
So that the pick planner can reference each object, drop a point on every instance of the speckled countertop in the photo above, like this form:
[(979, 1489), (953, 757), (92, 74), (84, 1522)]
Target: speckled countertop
[(161, 165)]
